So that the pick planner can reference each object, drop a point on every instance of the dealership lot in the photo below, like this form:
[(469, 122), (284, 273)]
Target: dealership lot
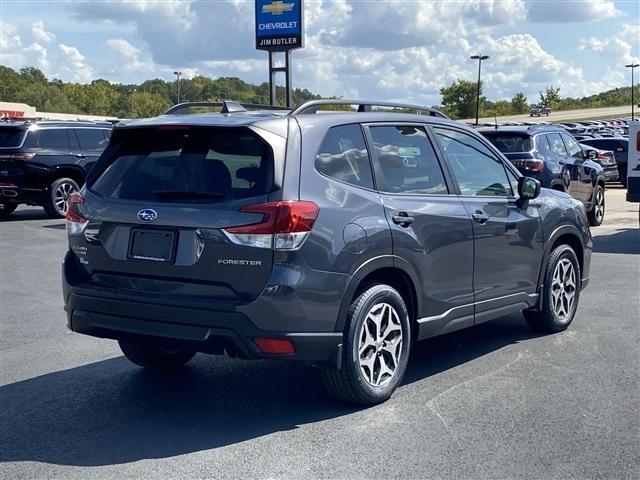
[(492, 401)]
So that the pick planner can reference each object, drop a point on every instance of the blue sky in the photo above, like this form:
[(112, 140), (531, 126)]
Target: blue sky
[(386, 50)]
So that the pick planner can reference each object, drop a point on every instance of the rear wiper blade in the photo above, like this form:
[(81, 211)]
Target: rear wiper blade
[(185, 194)]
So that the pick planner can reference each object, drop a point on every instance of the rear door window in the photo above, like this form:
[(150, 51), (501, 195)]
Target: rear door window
[(556, 144), (405, 161), (11, 137), (91, 138), (343, 156), (190, 165), (48, 138), (573, 149)]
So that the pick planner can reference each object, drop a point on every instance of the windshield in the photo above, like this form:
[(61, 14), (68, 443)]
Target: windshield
[(11, 137), (187, 165), (509, 142)]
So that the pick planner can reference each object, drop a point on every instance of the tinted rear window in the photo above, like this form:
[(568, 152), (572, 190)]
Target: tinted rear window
[(219, 164), (92, 138), (51, 138), (11, 136), (509, 142)]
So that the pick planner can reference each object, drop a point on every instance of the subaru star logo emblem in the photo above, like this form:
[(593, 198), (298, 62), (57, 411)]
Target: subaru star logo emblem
[(147, 215)]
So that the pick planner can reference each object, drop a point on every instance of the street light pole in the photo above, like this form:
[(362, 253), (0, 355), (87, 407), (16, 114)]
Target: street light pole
[(480, 58), (177, 74), (632, 66)]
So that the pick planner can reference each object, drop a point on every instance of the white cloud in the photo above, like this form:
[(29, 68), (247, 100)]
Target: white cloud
[(40, 34), (128, 57), (565, 11), (71, 65), (37, 55), (622, 46)]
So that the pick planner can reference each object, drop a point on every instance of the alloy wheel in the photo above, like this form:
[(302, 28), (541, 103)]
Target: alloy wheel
[(380, 346), (563, 290), (599, 206), (61, 196)]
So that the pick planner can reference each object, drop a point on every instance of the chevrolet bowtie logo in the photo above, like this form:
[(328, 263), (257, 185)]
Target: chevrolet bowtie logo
[(277, 7)]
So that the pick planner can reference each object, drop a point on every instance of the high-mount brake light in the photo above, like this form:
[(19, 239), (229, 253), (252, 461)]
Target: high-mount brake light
[(173, 127), (285, 225), (76, 223)]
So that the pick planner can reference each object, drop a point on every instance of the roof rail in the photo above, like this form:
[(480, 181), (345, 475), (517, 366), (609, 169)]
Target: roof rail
[(227, 106), (312, 106)]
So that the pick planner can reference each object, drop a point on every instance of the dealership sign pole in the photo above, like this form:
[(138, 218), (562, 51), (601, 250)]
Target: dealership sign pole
[(279, 28)]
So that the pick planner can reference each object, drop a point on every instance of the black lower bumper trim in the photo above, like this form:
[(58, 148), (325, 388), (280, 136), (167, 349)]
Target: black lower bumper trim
[(236, 339)]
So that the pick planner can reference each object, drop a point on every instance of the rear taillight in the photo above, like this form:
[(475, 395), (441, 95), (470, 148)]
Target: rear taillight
[(638, 142), (76, 223), (284, 225), (17, 156), (535, 166)]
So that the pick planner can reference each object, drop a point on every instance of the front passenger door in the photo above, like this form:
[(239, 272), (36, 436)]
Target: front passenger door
[(507, 238)]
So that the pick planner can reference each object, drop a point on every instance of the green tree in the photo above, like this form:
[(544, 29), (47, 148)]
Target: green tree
[(550, 97), (459, 99), (519, 103)]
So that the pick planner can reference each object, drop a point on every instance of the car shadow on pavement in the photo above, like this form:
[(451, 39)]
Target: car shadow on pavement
[(111, 412), (626, 241)]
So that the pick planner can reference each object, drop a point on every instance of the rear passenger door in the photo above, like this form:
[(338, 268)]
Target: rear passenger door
[(88, 146), (508, 239), (570, 165), (586, 170), (430, 228), (51, 146)]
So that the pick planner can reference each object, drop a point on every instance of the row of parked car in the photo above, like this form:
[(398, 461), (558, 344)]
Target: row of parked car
[(44, 162)]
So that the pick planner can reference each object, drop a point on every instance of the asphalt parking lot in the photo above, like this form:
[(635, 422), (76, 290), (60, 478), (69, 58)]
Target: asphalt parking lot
[(494, 401)]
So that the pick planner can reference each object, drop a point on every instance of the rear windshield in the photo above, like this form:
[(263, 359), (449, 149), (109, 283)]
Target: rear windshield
[(187, 165), (509, 142), (11, 137)]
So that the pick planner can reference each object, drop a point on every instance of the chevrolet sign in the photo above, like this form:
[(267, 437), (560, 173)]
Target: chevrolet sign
[(279, 25)]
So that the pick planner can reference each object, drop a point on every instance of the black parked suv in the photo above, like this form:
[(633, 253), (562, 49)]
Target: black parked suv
[(337, 239), (42, 163), (552, 156)]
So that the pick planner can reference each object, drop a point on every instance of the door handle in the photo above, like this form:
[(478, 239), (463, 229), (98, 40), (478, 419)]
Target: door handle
[(480, 217), (403, 219), (79, 155)]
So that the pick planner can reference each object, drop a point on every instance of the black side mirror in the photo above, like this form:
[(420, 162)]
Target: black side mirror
[(528, 189)]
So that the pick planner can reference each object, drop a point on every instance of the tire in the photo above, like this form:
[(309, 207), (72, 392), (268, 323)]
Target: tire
[(556, 313), (56, 202), (7, 209), (366, 383), (154, 357), (596, 214)]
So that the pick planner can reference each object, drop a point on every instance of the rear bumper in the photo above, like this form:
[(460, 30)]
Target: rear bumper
[(21, 195), (236, 340), (106, 313)]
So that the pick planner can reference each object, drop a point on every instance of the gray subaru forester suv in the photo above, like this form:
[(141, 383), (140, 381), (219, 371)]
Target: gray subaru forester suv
[(338, 239)]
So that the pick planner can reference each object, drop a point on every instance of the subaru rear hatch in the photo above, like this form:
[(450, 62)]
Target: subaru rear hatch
[(159, 212)]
